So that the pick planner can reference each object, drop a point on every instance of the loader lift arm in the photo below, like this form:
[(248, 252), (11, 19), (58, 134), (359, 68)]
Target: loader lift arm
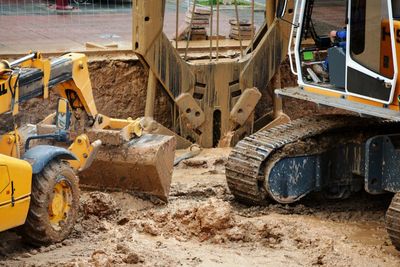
[(30, 77), (38, 189), (146, 160)]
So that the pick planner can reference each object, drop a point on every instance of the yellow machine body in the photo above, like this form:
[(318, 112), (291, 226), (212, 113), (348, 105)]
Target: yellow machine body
[(35, 74), (15, 190), (80, 84), (75, 123), (149, 153), (9, 83), (135, 159)]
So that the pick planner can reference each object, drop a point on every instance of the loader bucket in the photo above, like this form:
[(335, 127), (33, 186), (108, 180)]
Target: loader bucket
[(144, 164)]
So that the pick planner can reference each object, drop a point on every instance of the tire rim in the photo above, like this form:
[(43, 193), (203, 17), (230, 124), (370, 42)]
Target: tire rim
[(61, 203)]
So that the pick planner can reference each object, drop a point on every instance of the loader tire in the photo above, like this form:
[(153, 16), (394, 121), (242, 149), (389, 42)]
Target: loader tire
[(54, 205), (393, 221)]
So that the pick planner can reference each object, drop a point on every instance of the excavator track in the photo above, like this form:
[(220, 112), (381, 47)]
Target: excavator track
[(393, 221), (248, 160)]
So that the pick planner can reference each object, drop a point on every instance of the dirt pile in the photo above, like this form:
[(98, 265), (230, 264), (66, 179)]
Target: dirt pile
[(205, 231), (122, 84), (210, 221), (215, 221), (99, 204), (118, 83), (204, 221), (124, 255), (214, 215)]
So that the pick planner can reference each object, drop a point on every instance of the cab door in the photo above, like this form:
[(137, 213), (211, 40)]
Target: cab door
[(371, 61)]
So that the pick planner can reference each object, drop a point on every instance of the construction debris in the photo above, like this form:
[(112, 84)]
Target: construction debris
[(197, 22), (243, 31), (101, 46)]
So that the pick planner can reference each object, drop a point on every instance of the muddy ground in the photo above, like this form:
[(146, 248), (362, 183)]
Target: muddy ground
[(203, 226)]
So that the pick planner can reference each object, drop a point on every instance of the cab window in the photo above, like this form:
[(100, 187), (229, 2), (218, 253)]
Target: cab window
[(370, 39)]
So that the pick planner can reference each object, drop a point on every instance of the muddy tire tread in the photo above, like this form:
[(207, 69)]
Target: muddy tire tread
[(37, 229)]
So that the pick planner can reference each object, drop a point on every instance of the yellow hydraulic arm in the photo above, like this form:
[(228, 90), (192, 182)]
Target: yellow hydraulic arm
[(33, 76), (135, 162)]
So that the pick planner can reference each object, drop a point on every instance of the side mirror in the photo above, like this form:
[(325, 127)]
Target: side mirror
[(63, 115), (281, 8)]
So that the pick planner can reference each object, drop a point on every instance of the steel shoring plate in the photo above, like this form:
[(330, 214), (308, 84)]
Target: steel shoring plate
[(362, 109)]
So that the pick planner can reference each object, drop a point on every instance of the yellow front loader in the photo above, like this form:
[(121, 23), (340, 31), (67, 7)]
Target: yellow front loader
[(39, 187)]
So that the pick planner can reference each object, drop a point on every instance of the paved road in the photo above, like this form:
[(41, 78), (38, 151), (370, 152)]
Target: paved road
[(32, 25), (40, 7)]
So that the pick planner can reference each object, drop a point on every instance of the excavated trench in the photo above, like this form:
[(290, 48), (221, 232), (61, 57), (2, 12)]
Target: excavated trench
[(119, 87), (202, 225)]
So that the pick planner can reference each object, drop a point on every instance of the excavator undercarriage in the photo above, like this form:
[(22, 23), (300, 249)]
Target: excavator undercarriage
[(334, 154)]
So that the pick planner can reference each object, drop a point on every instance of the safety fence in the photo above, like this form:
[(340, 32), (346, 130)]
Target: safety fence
[(55, 26), (79, 25)]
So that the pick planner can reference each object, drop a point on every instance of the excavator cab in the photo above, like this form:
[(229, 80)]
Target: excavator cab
[(322, 52), (360, 63)]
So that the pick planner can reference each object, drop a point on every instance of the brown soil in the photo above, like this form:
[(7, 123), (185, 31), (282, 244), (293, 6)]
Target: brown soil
[(203, 226), (116, 83), (121, 82), (294, 108)]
